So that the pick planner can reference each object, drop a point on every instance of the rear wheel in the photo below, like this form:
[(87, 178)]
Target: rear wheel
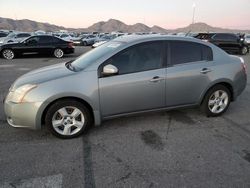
[(68, 119), (58, 53), (244, 50), (85, 43), (8, 54), (216, 101)]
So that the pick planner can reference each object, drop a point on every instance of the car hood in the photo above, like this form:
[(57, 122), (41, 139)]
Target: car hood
[(43, 75)]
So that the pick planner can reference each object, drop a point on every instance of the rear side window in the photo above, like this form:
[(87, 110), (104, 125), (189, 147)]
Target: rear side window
[(207, 54), (57, 40), (225, 37), (45, 39), (3, 34), (186, 52)]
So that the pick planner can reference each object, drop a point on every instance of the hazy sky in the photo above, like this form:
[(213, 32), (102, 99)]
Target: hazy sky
[(165, 13)]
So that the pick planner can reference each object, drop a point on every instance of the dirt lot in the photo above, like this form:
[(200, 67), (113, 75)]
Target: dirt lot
[(181, 148)]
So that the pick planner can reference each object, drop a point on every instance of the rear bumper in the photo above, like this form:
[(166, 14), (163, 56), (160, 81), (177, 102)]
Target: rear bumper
[(69, 50), (241, 85)]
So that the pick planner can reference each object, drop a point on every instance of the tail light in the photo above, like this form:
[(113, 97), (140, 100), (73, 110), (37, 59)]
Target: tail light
[(70, 45), (244, 65)]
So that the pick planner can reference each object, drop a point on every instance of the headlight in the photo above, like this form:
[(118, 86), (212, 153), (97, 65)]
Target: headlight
[(18, 95)]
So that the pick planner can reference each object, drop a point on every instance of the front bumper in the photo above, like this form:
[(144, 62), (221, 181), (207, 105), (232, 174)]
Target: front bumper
[(22, 115)]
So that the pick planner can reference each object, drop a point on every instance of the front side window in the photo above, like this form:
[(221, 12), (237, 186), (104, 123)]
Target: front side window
[(138, 58), (186, 52), (32, 40)]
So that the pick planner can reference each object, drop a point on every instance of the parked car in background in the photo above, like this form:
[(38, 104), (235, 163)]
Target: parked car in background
[(126, 76), (102, 40), (3, 34), (41, 44), (40, 32), (65, 36), (230, 42), (89, 40), (78, 41), (247, 39), (14, 37)]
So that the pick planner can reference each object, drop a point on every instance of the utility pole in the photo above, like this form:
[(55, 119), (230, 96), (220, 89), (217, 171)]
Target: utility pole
[(194, 6)]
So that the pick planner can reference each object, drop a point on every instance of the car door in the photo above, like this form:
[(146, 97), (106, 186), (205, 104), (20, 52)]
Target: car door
[(140, 83), (188, 72), (29, 46), (234, 42), (46, 44)]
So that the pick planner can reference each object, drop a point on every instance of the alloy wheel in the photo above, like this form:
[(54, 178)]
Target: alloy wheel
[(8, 54), (68, 121), (58, 53), (218, 101), (244, 50)]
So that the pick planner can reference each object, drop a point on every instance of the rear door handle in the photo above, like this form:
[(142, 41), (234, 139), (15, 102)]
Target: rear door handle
[(156, 79), (205, 71)]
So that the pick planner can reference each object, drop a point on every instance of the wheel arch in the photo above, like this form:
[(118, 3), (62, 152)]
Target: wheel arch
[(89, 107), (6, 48), (225, 83)]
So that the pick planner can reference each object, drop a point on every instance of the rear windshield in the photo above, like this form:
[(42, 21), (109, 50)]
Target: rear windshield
[(92, 56)]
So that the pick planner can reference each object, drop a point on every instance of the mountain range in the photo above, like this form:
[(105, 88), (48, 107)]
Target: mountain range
[(107, 26)]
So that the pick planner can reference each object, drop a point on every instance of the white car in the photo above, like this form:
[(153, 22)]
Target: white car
[(102, 40), (98, 44), (14, 37)]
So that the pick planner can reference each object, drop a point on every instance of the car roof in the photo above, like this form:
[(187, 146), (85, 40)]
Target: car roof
[(152, 37)]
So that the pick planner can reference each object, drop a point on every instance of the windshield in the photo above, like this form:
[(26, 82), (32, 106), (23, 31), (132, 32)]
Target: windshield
[(92, 56), (11, 35)]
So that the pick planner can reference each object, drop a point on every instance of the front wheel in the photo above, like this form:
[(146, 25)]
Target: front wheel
[(58, 53), (216, 101), (244, 50), (8, 54), (68, 119)]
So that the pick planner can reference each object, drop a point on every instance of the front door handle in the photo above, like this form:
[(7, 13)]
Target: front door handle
[(205, 71), (156, 79)]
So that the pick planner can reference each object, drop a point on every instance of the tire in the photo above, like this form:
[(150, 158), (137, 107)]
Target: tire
[(58, 53), (85, 43), (68, 119), (244, 50), (216, 101), (8, 54)]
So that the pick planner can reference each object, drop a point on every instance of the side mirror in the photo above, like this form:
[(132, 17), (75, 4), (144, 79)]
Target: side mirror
[(109, 70)]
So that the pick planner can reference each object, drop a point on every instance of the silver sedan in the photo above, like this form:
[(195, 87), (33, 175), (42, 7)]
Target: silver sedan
[(128, 75)]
